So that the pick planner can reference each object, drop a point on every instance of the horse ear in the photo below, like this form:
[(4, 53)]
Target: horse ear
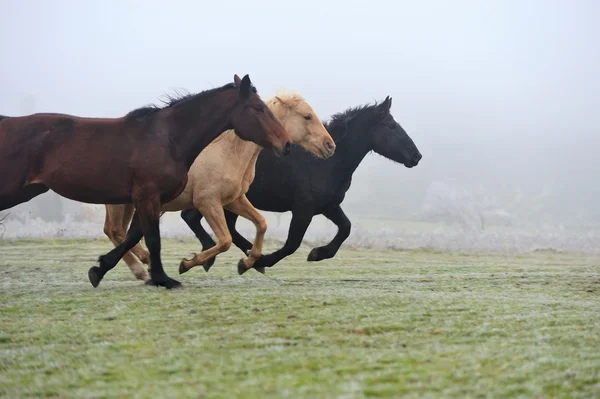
[(283, 102), (236, 80), (385, 106), (245, 87)]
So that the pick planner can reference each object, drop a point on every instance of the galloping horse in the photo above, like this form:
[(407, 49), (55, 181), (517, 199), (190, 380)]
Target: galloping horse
[(142, 158), (308, 186), (220, 177)]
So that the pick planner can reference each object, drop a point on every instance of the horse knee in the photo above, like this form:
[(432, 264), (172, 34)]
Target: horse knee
[(261, 225), (345, 228), (225, 243), (107, 231), (114, 233)]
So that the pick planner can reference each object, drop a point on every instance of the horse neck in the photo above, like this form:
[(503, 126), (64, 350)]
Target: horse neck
[(247, 151), (244, 153), (351, 149), (199, 121)]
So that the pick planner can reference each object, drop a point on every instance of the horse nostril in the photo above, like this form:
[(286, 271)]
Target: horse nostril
[(417, 156), (287, 148), (329, 145)]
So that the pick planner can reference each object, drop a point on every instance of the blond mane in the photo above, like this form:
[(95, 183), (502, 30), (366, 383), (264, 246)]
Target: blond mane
[(285, 95)]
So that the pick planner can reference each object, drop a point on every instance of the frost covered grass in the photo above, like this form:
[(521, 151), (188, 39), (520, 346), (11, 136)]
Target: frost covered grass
[(368, 323), (366, 233)]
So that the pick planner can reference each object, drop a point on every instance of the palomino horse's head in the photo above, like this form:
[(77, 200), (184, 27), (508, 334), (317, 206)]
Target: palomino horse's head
[(390, 139), (254, 121), (303, 124)]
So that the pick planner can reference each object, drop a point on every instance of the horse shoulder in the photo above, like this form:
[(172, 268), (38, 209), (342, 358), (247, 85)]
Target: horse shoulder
[(206, 169), (249, 175)]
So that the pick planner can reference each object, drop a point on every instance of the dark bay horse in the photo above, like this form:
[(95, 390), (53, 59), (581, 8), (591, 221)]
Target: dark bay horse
[(142, 158), (308, 186)]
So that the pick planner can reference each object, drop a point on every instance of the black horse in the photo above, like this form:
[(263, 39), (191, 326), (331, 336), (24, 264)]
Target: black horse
[(308, 186)]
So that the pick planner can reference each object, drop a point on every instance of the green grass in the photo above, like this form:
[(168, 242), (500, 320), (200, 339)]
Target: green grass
[(365, 324)]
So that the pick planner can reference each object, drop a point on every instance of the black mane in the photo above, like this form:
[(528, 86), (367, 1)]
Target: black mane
[(173, 100), (336, 126), (3, 117)]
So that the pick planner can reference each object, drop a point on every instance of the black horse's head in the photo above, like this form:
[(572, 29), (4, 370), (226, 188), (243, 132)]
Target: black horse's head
[(390, 139)]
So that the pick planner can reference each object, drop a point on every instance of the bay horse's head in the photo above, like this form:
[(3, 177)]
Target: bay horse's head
[(253, 121), (390, 139), (303, 124)]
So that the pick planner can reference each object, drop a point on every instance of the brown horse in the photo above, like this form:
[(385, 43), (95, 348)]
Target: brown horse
[(219, 178), (142, 158)]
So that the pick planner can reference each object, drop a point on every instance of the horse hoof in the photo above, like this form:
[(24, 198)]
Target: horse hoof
[(182, 268), (94, 276), (172, 284), (209, 264), (313, 256), (169, 283), (242, 267), (260, 269)]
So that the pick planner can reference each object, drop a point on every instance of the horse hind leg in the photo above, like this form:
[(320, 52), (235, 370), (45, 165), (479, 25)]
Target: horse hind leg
[(22, 195), (238, 239), (337, 216)]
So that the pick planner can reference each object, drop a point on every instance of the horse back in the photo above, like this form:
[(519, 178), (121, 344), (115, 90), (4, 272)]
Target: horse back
[(34, 143)]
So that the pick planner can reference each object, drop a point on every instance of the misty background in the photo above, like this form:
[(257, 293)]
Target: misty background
[(500, 97)]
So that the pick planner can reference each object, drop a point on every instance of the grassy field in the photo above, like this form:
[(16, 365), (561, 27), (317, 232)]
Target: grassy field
[(365, 324)]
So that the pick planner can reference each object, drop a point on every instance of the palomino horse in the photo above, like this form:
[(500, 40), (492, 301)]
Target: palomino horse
[(220, 177), (309, 187), (142, 158)]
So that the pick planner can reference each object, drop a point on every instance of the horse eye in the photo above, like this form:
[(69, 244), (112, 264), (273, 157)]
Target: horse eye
[(392, 125), (308, 117)]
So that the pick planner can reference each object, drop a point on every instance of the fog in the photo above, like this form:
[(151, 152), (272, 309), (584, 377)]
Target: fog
[(502, 98)]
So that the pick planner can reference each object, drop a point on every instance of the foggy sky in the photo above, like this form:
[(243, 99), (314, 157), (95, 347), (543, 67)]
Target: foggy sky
[(490, 91)]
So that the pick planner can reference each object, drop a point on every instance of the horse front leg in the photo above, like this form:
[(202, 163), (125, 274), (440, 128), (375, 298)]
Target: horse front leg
[(149, 214), (337, 216), (298, 226), (138, 250), (145, 223), (213, 212), (116, 222), (245, 209), (110, 260)]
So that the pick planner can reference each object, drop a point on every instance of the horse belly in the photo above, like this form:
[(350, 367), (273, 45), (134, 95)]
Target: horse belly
[(270, 198), (88, 191), (94, 183)]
